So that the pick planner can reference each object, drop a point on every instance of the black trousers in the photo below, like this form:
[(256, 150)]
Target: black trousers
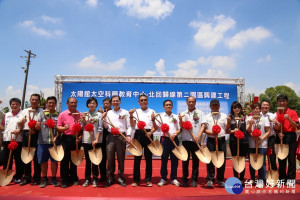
[(68, 171), (36, 165), (290, 139), (115, 144), (16, 155), (168, 146), (140, 136), (102, 165), (211, 145), (271, 145), (243, 151), (89, 166), (191, 147)]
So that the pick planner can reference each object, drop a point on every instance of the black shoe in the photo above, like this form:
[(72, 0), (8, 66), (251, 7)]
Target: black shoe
[(25, 182), (210, 183), (221, 183), (185, 183), (95, 184), (64, 185), (75, 183), (194, 183), (102, 179), (54, 182), (36, 182), (109, 183), (123, 184), (86, 183), (44, 183)]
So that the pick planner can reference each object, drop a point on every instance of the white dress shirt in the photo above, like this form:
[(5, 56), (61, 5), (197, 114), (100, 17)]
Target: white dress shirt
[(120, 119), (221, 119), (189, 116)]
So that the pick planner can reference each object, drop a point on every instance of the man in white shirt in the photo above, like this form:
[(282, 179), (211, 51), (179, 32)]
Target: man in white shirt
[(209, 121), (194, 116), (36, 115), (146, 115), (116, 143), (173, 122), (265, 108)]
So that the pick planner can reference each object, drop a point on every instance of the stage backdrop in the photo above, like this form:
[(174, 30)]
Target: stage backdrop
[(156, 92)]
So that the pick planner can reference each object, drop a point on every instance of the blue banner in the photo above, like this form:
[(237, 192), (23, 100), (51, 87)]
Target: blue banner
[(156, 92)]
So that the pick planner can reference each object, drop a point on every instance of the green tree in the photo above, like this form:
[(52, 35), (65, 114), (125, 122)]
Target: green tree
[(5, 109), (272, 93)]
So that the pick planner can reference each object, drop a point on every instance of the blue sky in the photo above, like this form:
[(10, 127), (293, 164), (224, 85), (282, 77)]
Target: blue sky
[(257, 40)]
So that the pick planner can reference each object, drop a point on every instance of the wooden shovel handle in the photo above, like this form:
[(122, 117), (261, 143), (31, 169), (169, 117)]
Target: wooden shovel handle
[(194, 140), (238, 148), (76, 141), (217, 149), (172, 140), (29, 139), (8, 162)]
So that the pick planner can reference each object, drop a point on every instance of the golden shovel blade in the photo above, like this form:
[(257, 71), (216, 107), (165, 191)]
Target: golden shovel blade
[(58, 153), (156, 148), (282, 151), (135, 148), (204, 155), (258, 162), (95, 155), (238, 163), (27, 154), (180, 152), (77, 157), (5, 178), (272, 177), (217, 158)]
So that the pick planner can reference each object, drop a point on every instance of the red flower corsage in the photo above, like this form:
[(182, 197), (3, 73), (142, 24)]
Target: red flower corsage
[(187, 125), (256, 132), (32, 124), (13, 145), (216, 129), (89, 127), (115, 131), (76, 128), (239, 134), (141, 125), (165, 128), (50, 123)]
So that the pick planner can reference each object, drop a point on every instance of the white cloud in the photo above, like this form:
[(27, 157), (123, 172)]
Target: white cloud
[(92, 62), (253, 90), (160, 67), (150, 73), (12, 92), (213, 73), (92, 3), (41, 31), (27, 23), (243, 37), (217, 66), (265, 59), (209, 34), (218, 62), (295, 87), (158, 9), (51, 19)]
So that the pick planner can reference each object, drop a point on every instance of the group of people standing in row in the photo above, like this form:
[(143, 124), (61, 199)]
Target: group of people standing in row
[(17, 126)]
